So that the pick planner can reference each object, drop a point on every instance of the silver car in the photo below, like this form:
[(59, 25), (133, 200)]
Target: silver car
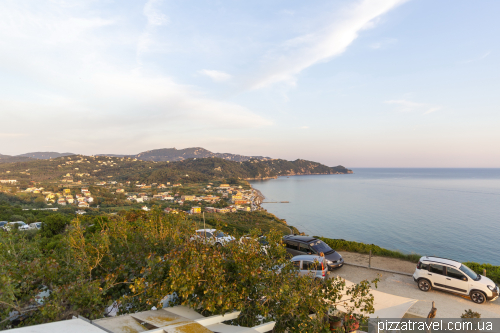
[(313, 265), (36, 225), (212, 236)]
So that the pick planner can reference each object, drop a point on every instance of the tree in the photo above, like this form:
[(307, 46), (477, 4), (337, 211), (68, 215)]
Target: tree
[(54, 224), (138, 258)]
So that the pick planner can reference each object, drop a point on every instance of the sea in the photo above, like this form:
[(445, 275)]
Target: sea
[(450, 213)]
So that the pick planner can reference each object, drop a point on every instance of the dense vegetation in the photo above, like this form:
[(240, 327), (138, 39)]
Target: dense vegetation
[(172, 154), (87, 168), (492, 272), (240, 223), (13, 159), (135, 259)]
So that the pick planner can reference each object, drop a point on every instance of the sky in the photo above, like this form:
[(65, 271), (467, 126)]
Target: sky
[(360, 83)]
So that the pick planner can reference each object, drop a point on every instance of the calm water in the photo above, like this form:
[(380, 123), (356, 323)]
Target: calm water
[(452, 213)]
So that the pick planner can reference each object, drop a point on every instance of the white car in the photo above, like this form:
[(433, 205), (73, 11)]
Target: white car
[(452, 276), (212, 236), (19, 224), (36, 225)]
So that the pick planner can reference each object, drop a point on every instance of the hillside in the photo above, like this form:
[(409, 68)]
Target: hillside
[(12, 159), (156, 155), (45, 155), (104, 168), (172, 155)]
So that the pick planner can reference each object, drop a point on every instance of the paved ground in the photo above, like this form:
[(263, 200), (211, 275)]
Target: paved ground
[(448, 305), (392, 264)]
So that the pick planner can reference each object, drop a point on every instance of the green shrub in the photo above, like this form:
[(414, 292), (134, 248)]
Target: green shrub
[(470, 314), (343, 245), (54, 224), (15, 218)]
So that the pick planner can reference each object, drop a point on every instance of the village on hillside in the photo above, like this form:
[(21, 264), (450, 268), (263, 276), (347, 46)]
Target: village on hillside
[(111, 195)]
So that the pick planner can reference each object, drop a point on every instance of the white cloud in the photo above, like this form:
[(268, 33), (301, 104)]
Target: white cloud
[(153, 15), (404, 105), (76, 74), (217, 76), (293, 56), (155, 19)]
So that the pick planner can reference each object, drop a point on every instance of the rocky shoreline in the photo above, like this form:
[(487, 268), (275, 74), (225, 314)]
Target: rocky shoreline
[(259, 197)]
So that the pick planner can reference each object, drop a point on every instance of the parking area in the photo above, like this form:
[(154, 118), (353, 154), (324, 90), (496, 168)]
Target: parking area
[(448, 305)]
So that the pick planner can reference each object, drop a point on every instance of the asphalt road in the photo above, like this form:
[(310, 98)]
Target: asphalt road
[(448, 305)]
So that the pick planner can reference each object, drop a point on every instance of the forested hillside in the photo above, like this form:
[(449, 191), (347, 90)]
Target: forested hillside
[(92, 168)]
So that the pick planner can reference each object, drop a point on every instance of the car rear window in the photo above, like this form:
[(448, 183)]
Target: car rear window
[(311, 266), (320, 246)]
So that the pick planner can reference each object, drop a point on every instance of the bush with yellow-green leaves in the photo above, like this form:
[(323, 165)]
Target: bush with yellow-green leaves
[(137, 259)]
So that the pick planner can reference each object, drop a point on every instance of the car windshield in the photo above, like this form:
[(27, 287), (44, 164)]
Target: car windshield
[(263, 241), (220, 234), (469, 272), (320, 246)]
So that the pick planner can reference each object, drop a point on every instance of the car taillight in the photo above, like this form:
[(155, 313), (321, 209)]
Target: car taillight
[(418, 265), (323, 269)]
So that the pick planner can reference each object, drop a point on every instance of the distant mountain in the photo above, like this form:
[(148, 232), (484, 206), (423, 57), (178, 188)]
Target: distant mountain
[(156, 155), (173, 155), (45, 155)]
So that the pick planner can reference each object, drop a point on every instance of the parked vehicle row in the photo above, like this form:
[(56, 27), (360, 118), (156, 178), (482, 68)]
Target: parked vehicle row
[(306, 245), (309, 255), (212, 236), (20, 225)]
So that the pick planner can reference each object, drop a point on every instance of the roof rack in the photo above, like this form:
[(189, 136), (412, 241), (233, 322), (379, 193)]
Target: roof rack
[(442, 258)]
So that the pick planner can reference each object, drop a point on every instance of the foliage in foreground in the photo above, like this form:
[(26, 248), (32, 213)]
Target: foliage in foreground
[(138, 259)]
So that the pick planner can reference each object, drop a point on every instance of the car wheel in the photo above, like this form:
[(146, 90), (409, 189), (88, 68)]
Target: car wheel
[(424, 285), (219, 245), (477, 297)]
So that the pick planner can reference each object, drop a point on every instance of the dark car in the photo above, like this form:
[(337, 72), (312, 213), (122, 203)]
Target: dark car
[(300, 245)]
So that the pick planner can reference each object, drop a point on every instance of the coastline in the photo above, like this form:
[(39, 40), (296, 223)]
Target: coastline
[(259, 197)]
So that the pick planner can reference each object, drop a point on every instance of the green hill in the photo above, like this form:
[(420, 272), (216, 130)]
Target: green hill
[(105, 168)]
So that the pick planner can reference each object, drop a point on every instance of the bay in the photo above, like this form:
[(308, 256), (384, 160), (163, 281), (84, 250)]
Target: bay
[(451, 213)]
